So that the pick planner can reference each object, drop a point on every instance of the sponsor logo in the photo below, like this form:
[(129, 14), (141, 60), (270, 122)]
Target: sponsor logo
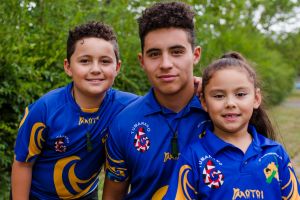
[(91, 120), (247, 194), (169, 156)]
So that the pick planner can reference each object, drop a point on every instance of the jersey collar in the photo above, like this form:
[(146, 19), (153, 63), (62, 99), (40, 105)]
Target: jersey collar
[(214, 144), (152, 105)]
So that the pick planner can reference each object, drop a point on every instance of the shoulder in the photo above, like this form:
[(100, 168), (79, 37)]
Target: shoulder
[(265, 142), (123, 98), (271, 147), (52, 99), (195, 149)]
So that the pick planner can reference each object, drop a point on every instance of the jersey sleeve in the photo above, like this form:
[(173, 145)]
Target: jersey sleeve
[(183, 182), (116, 169), (31, 134), (289, 182)]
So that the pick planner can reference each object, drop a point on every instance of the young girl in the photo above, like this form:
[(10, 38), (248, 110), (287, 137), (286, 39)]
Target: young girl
[(235, 158)]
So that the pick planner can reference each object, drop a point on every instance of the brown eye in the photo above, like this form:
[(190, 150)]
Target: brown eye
[(153, 54), (241, 94), (84, 61), (177, 52), (218, 96)]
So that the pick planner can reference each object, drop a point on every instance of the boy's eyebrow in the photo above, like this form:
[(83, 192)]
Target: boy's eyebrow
[(152, 50), (178, 46)]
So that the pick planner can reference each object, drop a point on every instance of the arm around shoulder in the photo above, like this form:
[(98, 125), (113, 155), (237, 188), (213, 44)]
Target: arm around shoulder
[(114, 190), (21, 179)]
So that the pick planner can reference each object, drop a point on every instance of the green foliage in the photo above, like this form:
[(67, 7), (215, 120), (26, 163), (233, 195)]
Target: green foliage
[(33, 45)]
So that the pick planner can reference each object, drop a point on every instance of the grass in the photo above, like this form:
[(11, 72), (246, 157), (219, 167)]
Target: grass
[(286, 119)]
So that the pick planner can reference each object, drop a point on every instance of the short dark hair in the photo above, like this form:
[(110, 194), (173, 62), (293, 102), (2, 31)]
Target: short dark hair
[(167, 15), (88, 30)]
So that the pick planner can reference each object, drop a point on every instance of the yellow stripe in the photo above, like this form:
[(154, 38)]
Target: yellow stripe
[(24, 117), (89, 110), (35, 148)]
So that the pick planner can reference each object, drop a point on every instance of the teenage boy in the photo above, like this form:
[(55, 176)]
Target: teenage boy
[(59, 149), (146, 138)]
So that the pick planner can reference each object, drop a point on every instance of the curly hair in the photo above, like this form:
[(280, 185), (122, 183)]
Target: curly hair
[(167, 15), (91, 29)]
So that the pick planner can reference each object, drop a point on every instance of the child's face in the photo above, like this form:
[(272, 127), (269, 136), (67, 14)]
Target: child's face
[(168, 60), (93, 67), (230, 98)]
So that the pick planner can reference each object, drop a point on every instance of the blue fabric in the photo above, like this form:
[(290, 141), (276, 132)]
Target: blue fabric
[(65, 143), (139, 144), (214, 169)]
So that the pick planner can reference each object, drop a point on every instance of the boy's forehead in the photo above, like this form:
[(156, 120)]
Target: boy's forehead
[(93, 45), (166, 38)]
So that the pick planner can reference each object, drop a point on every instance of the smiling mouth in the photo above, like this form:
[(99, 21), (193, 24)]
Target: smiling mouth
[(231, 116), (95, 80)]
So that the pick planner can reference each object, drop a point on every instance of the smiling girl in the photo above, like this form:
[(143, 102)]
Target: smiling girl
[(236, 157)]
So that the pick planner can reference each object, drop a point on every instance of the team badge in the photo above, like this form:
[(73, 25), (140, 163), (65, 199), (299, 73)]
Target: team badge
[(60, 145), (212, 177), (141, 141), (271, 172)]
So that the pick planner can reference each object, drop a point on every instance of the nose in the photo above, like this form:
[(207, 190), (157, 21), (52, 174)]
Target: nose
[(230, 103), (166, 62), (96, 68)]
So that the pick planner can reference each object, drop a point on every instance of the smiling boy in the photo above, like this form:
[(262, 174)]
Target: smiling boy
[(59, 149)]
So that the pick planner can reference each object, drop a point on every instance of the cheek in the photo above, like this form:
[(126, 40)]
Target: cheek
[(110, 71)]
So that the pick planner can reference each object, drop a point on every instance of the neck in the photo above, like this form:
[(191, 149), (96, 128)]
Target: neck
[(175, 102), (87, 102)]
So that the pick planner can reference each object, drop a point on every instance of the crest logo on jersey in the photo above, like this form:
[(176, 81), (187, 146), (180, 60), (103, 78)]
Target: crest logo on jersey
[(60, 144), (141, 141), (212, 177), (271, 172)]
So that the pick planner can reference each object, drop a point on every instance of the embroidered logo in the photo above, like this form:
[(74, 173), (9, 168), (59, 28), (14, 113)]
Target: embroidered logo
[(141, 141), (212, 177), (271, 171), (60, 143)]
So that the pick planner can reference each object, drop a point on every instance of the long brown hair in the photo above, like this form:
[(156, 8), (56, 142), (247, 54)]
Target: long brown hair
[(259, 117)]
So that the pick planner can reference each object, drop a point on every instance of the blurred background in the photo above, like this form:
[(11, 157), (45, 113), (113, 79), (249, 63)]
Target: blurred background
[(33, 37)]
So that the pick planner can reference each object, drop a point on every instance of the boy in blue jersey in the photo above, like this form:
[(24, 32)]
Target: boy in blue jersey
[(59, 149), (146, 138), (236, 157)]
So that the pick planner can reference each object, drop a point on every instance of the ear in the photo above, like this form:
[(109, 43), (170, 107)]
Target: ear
[(140, 57), (67, 67), (257, 98), (118, 67), (203, 102), (197, 54)]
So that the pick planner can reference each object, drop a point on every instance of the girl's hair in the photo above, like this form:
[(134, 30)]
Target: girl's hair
[(259, 117)]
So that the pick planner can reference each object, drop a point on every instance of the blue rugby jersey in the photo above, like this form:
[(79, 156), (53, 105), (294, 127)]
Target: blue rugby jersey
[(65, 143), (213, 169), (139, 144)]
